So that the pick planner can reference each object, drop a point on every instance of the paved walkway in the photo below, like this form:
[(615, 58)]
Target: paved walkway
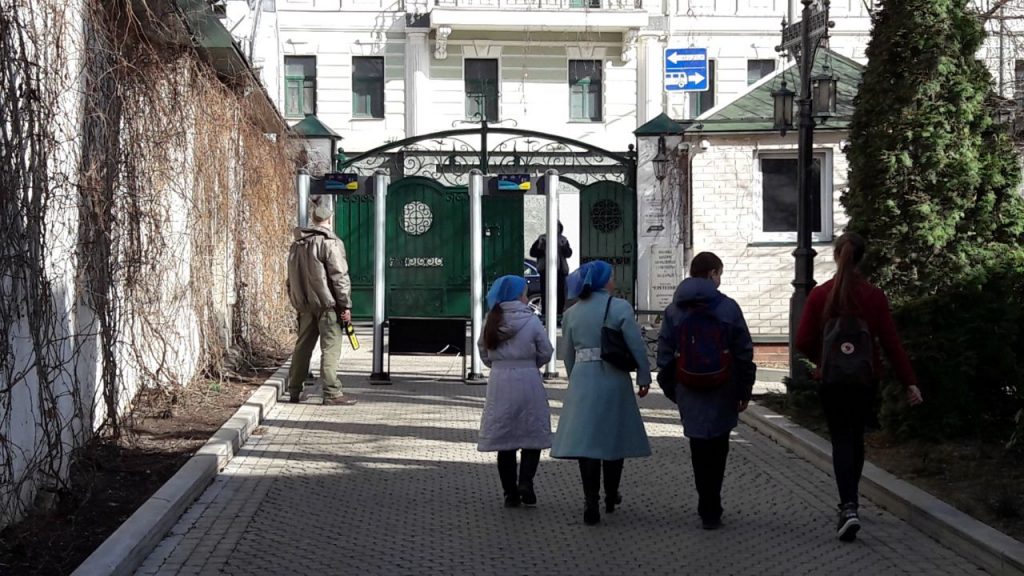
[(395, 486)]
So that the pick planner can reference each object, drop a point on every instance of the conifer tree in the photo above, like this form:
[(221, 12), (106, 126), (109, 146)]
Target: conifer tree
[(933, 180)]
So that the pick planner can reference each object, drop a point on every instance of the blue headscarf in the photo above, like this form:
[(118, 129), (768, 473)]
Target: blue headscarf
[(505, 289), (593, 275)]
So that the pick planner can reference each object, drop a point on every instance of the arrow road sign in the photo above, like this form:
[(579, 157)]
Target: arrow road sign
[(686, 69)]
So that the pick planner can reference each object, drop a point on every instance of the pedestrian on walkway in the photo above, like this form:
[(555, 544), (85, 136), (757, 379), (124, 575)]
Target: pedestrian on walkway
[(842, 322), (706, 366), (320, 291), (539, 252), (516, 417), (600, 423)]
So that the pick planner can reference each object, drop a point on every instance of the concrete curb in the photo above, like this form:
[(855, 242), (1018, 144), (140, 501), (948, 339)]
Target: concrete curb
[(771, 374), (127, 548), (996, 552)]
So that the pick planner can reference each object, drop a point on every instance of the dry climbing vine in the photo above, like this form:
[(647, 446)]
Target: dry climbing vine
[(143, 204)]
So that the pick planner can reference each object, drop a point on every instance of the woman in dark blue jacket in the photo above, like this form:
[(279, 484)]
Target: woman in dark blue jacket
[(709, 413)]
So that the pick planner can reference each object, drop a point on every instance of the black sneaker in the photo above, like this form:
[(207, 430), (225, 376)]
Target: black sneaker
[(849, 523), (527, 495)]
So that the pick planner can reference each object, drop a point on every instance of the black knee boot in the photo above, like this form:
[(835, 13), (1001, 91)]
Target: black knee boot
[(527, 468), (507, 472), (590, 473), (612, 476)]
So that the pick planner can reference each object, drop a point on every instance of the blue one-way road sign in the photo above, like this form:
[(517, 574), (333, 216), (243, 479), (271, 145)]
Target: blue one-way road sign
[(686, 69)]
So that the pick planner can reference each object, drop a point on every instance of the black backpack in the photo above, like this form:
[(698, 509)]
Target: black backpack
[(847, 353)]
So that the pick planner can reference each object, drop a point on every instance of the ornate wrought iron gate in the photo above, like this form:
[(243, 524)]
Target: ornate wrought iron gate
[(428, 222)]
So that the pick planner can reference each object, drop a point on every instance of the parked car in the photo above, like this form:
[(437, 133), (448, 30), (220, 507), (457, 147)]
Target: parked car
[(533, 289)]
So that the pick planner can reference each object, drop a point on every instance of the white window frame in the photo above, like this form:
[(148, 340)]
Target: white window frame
[(827, 198), (604, 94), (500, 84)]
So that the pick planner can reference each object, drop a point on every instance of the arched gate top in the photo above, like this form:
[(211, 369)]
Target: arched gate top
[(449, 155)]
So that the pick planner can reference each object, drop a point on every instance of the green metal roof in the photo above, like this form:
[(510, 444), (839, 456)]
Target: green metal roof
[(755, 110), (660, 125), (312, 127)]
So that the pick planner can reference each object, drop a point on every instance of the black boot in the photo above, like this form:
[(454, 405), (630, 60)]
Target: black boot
[(527, 469), (590, 473), (507, 472), (612, 477)]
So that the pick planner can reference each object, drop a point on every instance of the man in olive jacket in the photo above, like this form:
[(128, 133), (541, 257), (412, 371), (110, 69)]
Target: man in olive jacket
[(320, 291)]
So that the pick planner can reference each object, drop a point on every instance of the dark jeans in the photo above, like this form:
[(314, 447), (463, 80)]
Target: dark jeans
[(846, 412), (507, 469), (709, 456), (560, 295), (590, 473)]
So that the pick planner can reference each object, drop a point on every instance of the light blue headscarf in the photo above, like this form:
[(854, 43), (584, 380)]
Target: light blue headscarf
[(594, 274), (505, 289)]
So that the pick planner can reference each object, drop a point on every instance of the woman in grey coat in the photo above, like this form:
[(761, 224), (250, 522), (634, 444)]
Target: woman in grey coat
[(514, 346), (600, 424)]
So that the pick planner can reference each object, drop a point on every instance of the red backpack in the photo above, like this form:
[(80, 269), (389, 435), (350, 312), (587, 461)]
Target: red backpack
[(703, 360)]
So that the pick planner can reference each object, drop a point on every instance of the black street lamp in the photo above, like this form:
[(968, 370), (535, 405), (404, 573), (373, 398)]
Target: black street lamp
[(661, 160), (783, 98), (824, 94), (801, 40)]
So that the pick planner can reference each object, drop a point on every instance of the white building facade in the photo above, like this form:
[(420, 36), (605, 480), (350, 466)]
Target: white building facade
[(379, 71)]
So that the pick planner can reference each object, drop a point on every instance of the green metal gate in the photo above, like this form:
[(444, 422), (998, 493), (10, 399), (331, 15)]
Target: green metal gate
[(608, 231), (353, 223), (427, 247)]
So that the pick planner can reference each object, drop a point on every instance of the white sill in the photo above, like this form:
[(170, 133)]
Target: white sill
[(366, 119)]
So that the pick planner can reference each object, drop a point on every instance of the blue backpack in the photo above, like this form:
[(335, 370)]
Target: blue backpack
[(703, 360)]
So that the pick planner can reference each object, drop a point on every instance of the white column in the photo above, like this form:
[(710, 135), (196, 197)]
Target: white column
[(417, 80), (551, 261), (649, 81), (380, 191), (302, 198), (476, 270)]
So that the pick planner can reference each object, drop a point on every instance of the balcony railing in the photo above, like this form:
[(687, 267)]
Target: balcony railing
[(544, 4)]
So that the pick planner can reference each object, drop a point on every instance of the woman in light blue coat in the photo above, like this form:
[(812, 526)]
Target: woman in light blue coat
[(600, 421), (514, 346)]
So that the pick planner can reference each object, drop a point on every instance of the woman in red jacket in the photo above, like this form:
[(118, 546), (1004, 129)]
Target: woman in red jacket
[(850, 297)]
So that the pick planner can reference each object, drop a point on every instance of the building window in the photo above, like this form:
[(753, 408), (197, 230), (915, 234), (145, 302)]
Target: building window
[(481, 81), (299, 86), (775, 202), (585, 88), (367, 87), (701, 102), (585, 4), (757, 69)]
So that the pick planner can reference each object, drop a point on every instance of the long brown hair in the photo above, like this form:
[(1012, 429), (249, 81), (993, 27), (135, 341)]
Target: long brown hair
[(849, 251), (492, 337)]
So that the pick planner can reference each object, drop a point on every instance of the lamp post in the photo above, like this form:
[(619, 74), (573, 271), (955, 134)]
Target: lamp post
[(321, 143), (801, 40), (660, 160)]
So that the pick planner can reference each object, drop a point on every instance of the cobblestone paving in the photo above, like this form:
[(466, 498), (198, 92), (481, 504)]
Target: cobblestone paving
[(395, 486)]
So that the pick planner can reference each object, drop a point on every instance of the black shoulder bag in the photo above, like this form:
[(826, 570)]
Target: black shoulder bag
[(613, 345)]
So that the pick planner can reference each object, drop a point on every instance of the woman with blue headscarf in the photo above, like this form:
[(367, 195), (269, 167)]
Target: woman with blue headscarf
[(516, 417), (600, 423)]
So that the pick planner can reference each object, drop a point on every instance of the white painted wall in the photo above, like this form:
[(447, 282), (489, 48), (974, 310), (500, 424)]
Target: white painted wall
[(724, 221)]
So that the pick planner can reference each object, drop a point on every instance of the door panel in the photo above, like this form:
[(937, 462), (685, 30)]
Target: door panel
[(427, 250), (353, 223), (608, 232)]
